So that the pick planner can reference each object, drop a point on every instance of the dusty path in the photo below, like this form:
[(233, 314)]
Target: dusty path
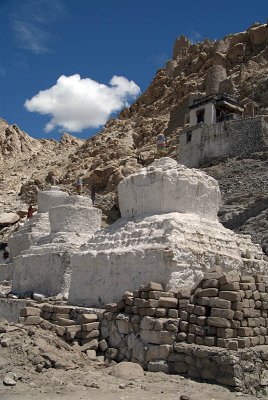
[(70, 385)]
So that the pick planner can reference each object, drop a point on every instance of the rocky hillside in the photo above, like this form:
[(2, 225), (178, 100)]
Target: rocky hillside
[(238, 64)]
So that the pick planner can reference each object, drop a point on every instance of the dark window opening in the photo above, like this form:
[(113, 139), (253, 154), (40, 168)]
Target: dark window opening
[(200, 115), (188, 137)]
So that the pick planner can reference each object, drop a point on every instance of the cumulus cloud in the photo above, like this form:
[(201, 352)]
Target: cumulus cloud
[(76, 104)]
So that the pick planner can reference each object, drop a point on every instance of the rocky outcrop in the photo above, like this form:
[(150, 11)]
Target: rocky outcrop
[(128, 143)]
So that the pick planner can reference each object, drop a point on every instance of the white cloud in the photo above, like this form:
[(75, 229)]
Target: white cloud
[(76, 104)]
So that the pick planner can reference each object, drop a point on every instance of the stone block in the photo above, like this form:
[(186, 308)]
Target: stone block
[(90, 326), (150, 312), (112, 307), (199, 310), (147, 323), (199, 340), (232, 345), (86, 318), (212, 330), (226, 333), (202, 301), (65, 322), (168, 302), (251, 313), (160, 312), (72, 331), (192, 328), (157, 337), (182, 336), (191, 338), (190, 308), (245, 331), (201, 320), (183, 303), (248, 294), (247, 279), (238, 315), (219, 322), (128, 310), (55, 316), (59, 330), (102, 344), (153, 286), (144, 295), (183, 293), (91, 354), (261, 287), (129, 301), (152, 303), (184, 326), (184, 315), (237, 305), (259, 278), (208, 292), (46, 325), (158, 366), (230, 286), (235, 324), (200, 331), (192, 318), (256, 331), (61, 309), (215, 302), (256, 295), (210, 341), (142, 311), (173, 313), (111, 353), (255, 341), (221, 342), (264, 296), (231, 296), (31, 320), (210, 283), (29, 311), (47, 307), (231, 277), (161, 352), (91, 335), (222, 313), (154, 294), (180, 367)]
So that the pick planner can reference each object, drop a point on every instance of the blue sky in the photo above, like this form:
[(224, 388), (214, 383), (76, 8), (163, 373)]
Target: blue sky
[(90, 57)]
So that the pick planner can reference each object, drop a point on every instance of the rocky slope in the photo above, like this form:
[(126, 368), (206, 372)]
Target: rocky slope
[(104, 160)]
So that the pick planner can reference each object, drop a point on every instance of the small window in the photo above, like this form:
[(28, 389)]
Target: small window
[(200, 116), (188, 137)]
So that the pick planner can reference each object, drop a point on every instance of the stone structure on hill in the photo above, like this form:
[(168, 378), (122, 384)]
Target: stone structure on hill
[(202, 144), (169, 233), (41, 249)]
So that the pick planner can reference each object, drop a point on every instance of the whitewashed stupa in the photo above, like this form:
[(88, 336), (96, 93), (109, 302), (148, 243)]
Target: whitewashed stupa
[(41, 249), (168, 233)]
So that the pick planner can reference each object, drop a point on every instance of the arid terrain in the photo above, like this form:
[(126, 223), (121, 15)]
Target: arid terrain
[(71, 375)]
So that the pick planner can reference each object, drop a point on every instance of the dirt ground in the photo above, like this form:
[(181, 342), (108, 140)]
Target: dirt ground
[(47, 368), (99, 385)]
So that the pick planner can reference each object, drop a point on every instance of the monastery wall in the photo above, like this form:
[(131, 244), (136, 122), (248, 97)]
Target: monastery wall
[(201, 144)]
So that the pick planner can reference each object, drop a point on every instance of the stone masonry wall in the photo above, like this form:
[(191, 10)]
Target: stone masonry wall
[(201, 144), (217, 331)]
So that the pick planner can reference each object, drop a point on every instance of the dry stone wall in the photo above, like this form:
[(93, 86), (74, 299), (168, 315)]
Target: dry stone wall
[(215, 331)]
